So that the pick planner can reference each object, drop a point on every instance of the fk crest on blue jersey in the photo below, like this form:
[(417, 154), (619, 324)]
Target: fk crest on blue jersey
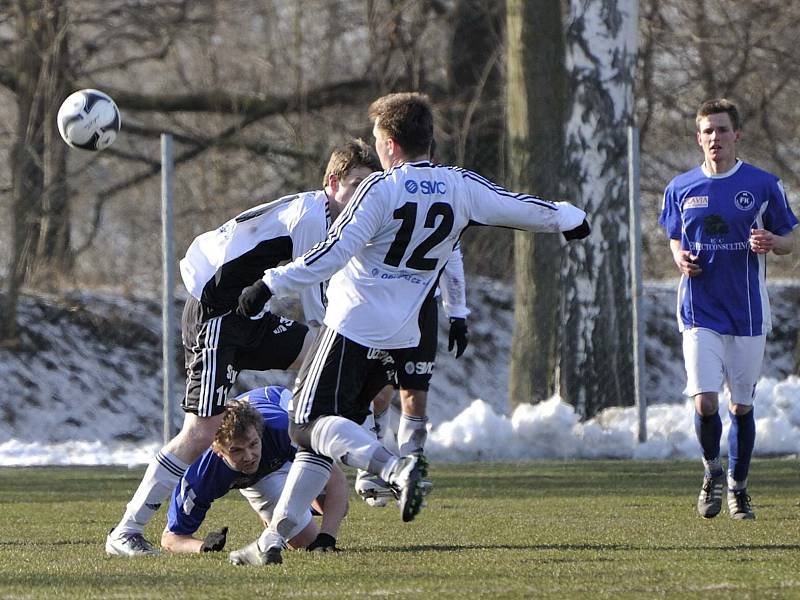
[(712, 216), (209, 477)]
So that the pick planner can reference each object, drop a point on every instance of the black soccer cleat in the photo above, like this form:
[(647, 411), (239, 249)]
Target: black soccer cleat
[(406, 479), (709, 503), (739, 505)]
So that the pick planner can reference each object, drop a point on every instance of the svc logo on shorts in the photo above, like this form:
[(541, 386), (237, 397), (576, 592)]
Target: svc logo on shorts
[(744, 200), (420, 368)]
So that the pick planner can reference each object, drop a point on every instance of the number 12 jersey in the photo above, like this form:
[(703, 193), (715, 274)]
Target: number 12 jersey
[(385, 252)]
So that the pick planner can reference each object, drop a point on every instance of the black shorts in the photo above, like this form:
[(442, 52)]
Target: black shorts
[(217, 349), (415, 369), (340, 377)]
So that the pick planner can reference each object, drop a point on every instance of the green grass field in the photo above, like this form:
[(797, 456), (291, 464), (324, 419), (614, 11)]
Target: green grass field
[(610, 529)]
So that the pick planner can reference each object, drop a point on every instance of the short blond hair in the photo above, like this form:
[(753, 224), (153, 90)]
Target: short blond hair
[(348, 156), (238, 418)]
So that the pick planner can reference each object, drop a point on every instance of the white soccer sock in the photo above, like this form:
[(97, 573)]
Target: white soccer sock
[(383, 429), (411, 434), (305, 481), (160, 478), (734, 485), (712, 466), (341, 439)]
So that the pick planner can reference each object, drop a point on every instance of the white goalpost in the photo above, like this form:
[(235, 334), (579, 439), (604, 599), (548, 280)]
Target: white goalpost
[(638, 327)]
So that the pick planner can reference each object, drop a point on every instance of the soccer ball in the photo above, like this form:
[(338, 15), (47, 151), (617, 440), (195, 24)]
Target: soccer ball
[(89, 120)]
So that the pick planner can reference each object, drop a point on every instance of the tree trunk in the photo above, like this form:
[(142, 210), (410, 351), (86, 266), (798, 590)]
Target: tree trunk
[(53, 251), (596, 369), (536, 96), (476, 88), (27, 176), (39, 209), (472, 134)]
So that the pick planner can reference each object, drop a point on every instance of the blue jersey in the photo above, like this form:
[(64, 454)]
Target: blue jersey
[(712, 216), (209, 477)]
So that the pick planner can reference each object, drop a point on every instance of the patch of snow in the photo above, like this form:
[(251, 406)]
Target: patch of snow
[(85, 386)]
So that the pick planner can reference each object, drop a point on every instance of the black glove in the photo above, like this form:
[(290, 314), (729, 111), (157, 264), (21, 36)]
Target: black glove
[(458, 335), (215, 541), (580, 232), (253, 298), (324, 543)]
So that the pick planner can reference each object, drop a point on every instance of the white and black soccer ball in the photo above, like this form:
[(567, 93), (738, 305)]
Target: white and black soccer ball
[(89, 120)]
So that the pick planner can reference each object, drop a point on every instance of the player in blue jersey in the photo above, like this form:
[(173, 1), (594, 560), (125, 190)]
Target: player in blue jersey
[(251, 452), (722, 218)]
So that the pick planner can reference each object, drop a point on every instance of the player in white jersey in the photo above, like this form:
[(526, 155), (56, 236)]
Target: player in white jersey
[(219, 342), (723, 217), (387, 250), (413, 377)]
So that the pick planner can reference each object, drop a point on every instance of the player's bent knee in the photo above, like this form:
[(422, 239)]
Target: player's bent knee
[(195, 436), (300, 433)]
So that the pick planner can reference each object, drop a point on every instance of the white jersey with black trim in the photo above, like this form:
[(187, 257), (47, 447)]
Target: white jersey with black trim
[(220, 263), (453, 286), (396, 234)]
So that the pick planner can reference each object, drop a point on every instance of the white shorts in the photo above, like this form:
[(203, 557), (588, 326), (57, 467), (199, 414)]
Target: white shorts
[(711, 359), (264, 494)]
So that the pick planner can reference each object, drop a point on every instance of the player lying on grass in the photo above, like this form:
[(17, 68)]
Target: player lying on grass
[(251, 452)]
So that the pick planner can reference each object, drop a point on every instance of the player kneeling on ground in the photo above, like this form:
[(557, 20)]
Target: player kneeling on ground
[(251, 452)]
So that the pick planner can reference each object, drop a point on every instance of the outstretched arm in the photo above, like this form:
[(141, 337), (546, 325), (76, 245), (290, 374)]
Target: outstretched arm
[(348, 233), (180, 544), (188, 544), (490, 204)]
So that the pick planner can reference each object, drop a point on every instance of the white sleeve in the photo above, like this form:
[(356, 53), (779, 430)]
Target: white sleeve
[(307, 231), (453, 286), (491, 204), (348, 234)]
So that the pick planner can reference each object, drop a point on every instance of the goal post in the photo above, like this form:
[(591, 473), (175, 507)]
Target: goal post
[(638, 327), (168, 281)]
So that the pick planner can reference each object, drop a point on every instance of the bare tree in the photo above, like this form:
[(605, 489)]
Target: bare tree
[(249, 92), (38, 207), (536, 91), (38, 75), (596, 364), (472, 130)]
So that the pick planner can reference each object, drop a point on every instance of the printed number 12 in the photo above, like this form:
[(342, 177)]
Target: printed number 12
[(407, 214)]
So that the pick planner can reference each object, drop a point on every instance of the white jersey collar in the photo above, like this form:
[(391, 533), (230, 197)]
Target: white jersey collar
[(727, 173)]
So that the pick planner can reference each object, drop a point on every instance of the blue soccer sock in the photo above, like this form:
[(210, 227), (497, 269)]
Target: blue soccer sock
[(741, 440), (709, 433)]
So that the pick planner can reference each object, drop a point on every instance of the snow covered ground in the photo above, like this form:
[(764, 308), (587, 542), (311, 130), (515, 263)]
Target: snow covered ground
[(85, 388)]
